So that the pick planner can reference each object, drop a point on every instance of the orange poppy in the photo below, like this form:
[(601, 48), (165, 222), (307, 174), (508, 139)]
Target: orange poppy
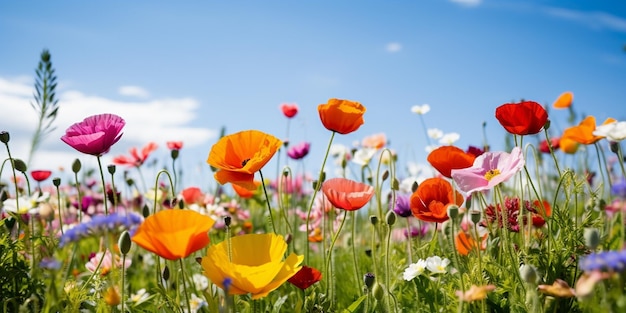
[(347, 194), (244, 192), (583, 132), (524, 118), (448, 158), (342, 116), (568, 145), (238, 156), (174, 234), (431, 199), (564, 101), (465, 243)]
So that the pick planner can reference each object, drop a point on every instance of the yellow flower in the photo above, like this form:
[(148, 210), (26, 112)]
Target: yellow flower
[(256, 265), (238, 156)]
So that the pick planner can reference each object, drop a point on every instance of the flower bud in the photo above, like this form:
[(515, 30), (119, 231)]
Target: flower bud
[(174, 154), (227, 220), (288, 238), (111, 169), (453, 211), (395, 184), (475, 216), (374, 219), (546, 126), (592, 238), (20, 165), (614, 146), (369, 279), (181, 203), (5, 137), (56, 181), (414, 186), (378, 291), (390, 218), (76, 165), (124, 242), (166, 273), (145, 211), (385, 175), (528, 273)]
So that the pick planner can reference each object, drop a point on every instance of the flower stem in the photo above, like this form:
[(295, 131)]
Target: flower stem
[(329, 257), (267, 199), (182, 273), (106, 206), (317, 188)]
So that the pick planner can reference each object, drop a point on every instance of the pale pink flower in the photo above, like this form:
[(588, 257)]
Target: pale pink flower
[(489, 170)]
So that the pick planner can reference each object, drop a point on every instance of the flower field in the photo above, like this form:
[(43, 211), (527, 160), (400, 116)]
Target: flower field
[(537, 227)]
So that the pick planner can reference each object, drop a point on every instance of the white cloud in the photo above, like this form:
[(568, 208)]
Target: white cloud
[(468, 3), (595, 20), (134, 91), (393, 47), (157, 120)]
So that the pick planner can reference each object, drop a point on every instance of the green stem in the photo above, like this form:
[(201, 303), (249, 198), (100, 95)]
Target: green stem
[(329, 257), (182, 273), (317, 188), (267, 199), (104, 191), (354, 258)]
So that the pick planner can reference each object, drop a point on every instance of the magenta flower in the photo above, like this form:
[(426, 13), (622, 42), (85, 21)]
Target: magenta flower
[(489, 169), (95, 134), (299, 151)]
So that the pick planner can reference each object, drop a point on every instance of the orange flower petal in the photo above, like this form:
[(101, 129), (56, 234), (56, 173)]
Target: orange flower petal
[(564, 101), (342, 116), (448, 158), (431, 200)]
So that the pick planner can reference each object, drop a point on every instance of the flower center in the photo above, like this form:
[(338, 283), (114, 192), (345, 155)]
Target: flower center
[(492, 173), (244, 162)]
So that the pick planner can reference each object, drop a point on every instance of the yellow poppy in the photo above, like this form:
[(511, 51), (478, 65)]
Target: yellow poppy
[(238, 156), (173, 234), (255, 265), (342, 116), (564, 101), (583, 132)]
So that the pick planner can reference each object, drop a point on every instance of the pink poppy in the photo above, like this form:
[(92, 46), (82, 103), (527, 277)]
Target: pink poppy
[(489, 170), (347, 194), (299, 151), (174, 145), (95, 134), (136, 158)]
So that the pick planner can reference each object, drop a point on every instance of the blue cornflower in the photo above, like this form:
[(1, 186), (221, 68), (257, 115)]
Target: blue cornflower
[(619, 189), (101, 223), (608, 261), (50, 263)]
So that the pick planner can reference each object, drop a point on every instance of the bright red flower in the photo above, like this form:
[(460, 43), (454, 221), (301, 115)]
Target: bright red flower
[(174, 145), (347, 194), (430, 201), (554, 142), (524, 118), (289, 109), (136, 158), (192, 195), (448, 158), (40, 175), (305, 277), (95, 134)]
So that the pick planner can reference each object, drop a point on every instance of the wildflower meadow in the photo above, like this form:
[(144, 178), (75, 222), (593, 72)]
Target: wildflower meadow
[(538, 226)]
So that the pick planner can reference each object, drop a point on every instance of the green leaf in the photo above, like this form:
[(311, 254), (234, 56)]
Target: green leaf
[(355, 305), (279, 303)]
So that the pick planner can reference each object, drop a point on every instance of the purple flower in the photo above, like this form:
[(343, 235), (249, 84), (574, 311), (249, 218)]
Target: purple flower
[(403, 206), (99, 224), (95, 134), (489, 170), (619, 189), (609, 261), (299, 151)]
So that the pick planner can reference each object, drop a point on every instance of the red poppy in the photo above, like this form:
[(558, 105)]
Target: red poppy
[(524, 118), (289, 109), (40, 175), (305, 277), (192, 195), (554, 142), (430, 201), (137, 158), (448, 158), (347, 194), (174, 145)]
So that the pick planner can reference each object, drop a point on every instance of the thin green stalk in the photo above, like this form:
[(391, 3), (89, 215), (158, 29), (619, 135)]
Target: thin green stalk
[(123, 279), (317, 188), (182, 273), (106, 206), (329, 257), (354, 258), (267, 199), (59, 206)]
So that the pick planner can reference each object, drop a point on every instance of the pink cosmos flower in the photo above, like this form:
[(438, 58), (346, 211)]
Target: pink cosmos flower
[(95, 134), (299, 151), (489, 170), (136, 158)]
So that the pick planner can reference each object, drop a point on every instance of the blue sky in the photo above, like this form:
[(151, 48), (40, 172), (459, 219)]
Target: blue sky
[(182, 70)]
